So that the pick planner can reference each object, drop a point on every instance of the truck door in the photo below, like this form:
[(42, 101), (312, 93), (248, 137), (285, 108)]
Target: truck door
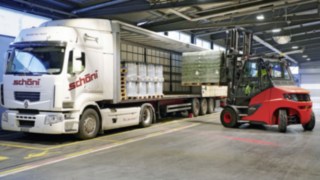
[(249, 84)]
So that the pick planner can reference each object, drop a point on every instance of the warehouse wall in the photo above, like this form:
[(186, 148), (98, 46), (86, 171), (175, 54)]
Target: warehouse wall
[(4, 44), (310, 79)]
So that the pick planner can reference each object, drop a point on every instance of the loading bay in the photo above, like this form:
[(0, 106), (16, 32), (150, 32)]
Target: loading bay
[(188, 148)]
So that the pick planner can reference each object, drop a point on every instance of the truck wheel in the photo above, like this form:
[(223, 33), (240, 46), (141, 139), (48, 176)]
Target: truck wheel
[(210, 105), (195, 107), (229, 118), (203, 106), (146, 115), (282, 120), (310, 125), (89, 124)]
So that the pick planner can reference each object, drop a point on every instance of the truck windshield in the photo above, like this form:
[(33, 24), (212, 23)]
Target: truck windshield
[(36, 60)]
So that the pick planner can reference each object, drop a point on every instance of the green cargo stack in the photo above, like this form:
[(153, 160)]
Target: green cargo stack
[(201, 67)]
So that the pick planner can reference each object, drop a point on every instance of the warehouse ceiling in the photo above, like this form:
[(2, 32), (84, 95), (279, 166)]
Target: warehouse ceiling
[(290, 26)]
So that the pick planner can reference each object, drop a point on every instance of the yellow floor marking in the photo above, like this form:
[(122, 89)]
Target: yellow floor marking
[(64, 145), (117, 134), (45, 162), (87, 151), (138, 129), (2, 158), (35, 155), (22, 146), (107, 140)]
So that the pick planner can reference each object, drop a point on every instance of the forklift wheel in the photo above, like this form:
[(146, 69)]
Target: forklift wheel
[(310, 125), (282, 120), (229, 118)]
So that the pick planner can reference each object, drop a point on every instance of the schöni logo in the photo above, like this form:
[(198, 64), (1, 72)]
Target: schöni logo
[(83, 80), (26, 82)]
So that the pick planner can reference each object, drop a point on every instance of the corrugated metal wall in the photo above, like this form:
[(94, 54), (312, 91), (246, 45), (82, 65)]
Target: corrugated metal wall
[(310, 79), (4, 44)]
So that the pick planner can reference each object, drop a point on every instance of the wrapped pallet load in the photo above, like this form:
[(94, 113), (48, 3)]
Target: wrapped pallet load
[(201, 67)]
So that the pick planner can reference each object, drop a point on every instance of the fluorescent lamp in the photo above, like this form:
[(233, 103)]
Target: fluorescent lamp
[(295, 47), (304, 56), (308, 59), (142, 23), (260, 17), (276, 30)]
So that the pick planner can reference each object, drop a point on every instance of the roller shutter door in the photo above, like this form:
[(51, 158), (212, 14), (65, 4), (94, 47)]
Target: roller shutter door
[(312, 83)]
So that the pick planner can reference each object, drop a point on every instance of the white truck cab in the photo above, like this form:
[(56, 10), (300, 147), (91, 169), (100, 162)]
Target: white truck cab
[(55, 71)]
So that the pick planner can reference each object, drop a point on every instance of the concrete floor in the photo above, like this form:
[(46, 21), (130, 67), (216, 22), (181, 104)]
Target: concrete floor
[(197, 148)]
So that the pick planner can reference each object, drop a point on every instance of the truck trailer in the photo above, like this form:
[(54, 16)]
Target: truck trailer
[(69, 77)]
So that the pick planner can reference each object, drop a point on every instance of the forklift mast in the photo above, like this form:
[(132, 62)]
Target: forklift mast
[(238, 50)]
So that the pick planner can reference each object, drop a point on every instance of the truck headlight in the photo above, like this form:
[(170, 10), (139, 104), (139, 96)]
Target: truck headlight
[(53, 119), (5, 117), (292, 97)]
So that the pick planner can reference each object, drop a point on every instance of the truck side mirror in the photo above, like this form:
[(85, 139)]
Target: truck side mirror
[(77, 61)]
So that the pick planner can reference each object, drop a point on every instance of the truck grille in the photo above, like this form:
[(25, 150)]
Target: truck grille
[(26, 123), (31, 96), (26, 120)]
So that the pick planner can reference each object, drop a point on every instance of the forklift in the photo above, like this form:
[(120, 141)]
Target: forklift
[(261, 90)]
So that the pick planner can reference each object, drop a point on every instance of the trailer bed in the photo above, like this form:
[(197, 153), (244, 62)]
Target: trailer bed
[(163, 98)]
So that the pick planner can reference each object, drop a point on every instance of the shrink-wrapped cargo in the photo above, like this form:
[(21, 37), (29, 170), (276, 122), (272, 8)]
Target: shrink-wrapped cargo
[(201, 67)]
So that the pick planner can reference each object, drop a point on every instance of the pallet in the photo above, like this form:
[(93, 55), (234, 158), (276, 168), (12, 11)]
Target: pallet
[(138, 97), (125, 97), (155, 96), (199, 84)]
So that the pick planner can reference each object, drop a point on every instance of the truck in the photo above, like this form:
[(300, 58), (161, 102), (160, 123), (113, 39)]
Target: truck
[(69, 77), (261, 89)]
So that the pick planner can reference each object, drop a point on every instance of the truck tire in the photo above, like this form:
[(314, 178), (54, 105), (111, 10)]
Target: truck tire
[(146, 115), (229, 118), (282, 120), (89, 124), (195, 107), (210, 105), (310, 125), (203, 106)]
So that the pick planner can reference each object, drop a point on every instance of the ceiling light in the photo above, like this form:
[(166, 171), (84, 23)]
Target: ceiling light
[(142, 23), (293, 52), (308, 59), (282, 39), (277, 30), (295, 47), (304, 56), (260, 17)]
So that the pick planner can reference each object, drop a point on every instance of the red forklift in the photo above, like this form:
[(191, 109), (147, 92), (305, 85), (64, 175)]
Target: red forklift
[(261, 90)]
